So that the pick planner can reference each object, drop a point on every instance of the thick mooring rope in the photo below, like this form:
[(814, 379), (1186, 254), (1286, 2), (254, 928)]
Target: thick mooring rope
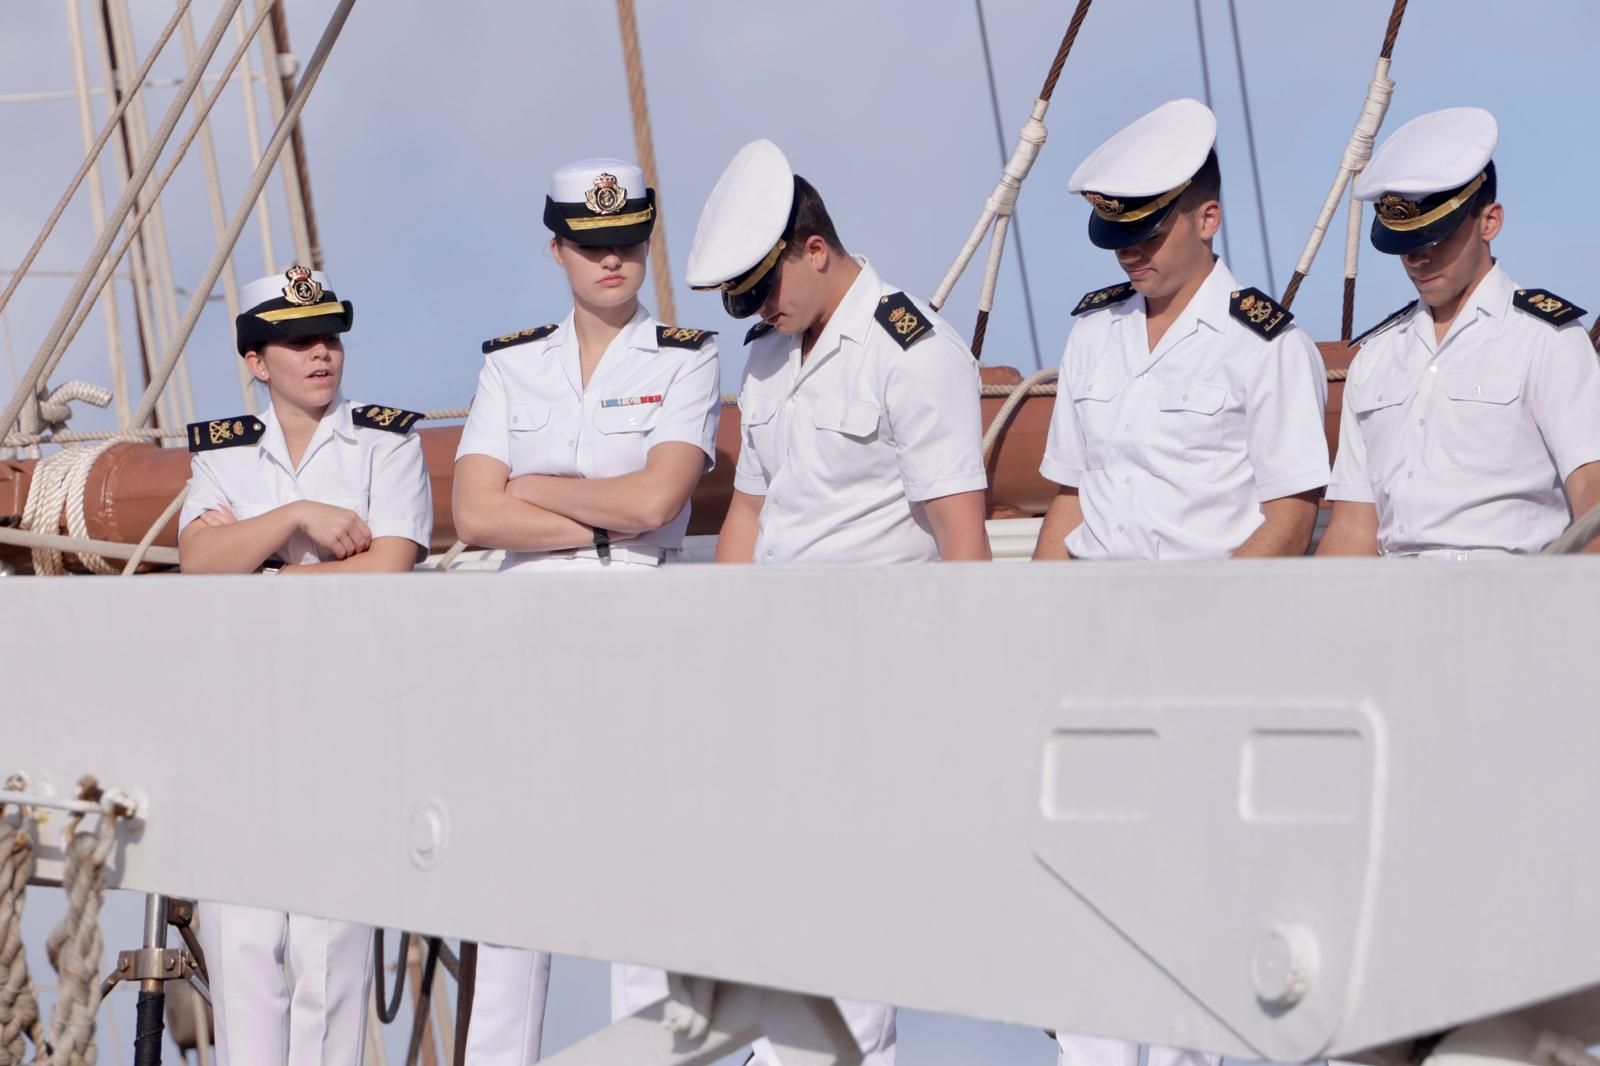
[(75, 945), (19, 1002)]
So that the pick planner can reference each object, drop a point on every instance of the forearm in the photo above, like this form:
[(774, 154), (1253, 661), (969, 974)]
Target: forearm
[(1353, 530), (500, 520), (1063, 516), (1290, 521), (387, 555), (958, 527), (632, 503), (238, 547), (1583, 492), (736, 541)]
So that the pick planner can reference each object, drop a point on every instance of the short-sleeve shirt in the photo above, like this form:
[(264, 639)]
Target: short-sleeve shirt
[(847, 444), (532, 412), (377, 473), (1174, 451), (1466, 444)]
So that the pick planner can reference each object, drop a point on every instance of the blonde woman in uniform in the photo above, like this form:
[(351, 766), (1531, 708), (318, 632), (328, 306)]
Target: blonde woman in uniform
[(585, 441)]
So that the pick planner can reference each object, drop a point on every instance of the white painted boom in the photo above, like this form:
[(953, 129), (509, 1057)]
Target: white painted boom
[(1277, 810)]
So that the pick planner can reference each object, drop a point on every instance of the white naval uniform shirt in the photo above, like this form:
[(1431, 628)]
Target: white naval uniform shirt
[(846, 445), (1175, 450), (378, 474), (532, 412), (1467, 444)]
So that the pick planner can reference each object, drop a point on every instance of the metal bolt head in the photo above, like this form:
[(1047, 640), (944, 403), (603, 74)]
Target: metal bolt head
[(1283, 965), (168, 963), (430, 832)]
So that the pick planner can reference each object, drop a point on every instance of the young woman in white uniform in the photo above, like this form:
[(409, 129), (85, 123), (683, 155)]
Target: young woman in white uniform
[(585, 441), (315, 484)]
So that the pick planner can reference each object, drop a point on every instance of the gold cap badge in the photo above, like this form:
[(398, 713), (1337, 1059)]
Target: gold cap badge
[(1393, 207), (607, 197), (302, 289)]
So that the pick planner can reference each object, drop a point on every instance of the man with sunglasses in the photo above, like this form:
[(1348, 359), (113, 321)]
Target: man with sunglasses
[(1188, 416)]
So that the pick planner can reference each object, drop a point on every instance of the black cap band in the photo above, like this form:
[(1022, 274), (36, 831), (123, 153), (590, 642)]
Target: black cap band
[(631, 223)]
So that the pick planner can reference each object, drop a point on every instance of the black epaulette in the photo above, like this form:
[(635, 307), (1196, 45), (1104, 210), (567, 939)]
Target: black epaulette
[(760, 329), (1385, 324), (901, 320), (1258, 311), (538, 333), (1541, 303), (393, 419), (682, 336), (1111, 294), (225, 432)]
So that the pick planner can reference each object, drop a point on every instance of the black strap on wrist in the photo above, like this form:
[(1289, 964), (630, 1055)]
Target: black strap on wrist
[(602, 543)]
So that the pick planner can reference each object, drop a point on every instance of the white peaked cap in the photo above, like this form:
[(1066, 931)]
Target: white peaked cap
[(570, 183), (1151, 155), (1432, 153), (270, 287), (744, 216)]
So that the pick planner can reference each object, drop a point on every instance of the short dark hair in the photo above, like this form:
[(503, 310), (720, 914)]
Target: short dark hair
[(811, 219), (1205, 185), (1487, 193)]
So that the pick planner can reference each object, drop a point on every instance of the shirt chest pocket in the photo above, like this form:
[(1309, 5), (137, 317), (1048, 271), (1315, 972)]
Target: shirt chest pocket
[(757, 417), (527, 424), (1197, 429), (1093, 403), (621, 439), (1481, 423), (849, 460)]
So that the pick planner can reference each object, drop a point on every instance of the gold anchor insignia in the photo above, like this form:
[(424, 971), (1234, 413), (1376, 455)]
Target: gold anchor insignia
[(607, 197), (224, 430), (383, 416), (1547, 304), (1105, 204), (1393, 207), (681, 333), (904, 321), (302, 289), (1259, 313)]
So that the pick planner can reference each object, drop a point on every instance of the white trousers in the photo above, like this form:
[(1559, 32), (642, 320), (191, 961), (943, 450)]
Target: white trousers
[(873, 1025), (507, 1024), (320, 1021), (1109, 1051)]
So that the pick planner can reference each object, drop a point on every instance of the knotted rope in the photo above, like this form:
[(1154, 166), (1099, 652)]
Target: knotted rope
[(1001, 203), (75, 945), (19, 1003), (1356, 154)]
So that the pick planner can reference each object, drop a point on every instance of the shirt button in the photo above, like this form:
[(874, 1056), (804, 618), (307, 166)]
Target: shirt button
[(1402, 529), (1410, 474), (769, 553), (1184, 397), (1127, 426), (1433, 370), (1422, 421), (572, 444), (1380, 395), (1119, 529), (1127, 481)]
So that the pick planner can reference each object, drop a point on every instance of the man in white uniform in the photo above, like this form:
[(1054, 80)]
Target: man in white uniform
[(862, 438), (1188, 416), (316, 484), (1471, 422)]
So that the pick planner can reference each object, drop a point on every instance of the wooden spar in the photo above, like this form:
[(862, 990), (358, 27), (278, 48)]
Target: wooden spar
[(644, 144), (1046, 91), (131, 484), (1396, 14)]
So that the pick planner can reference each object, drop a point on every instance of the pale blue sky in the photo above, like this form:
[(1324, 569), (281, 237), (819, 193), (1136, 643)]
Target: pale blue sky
[(436, 126)]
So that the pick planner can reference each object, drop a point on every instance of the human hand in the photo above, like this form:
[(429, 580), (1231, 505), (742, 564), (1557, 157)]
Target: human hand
[(217, 516), (335, 529)]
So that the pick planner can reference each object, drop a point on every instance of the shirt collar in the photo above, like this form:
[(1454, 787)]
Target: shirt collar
[(640, 331), (1213, 302), (857, 307), (1492, 297), (335, 420)]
